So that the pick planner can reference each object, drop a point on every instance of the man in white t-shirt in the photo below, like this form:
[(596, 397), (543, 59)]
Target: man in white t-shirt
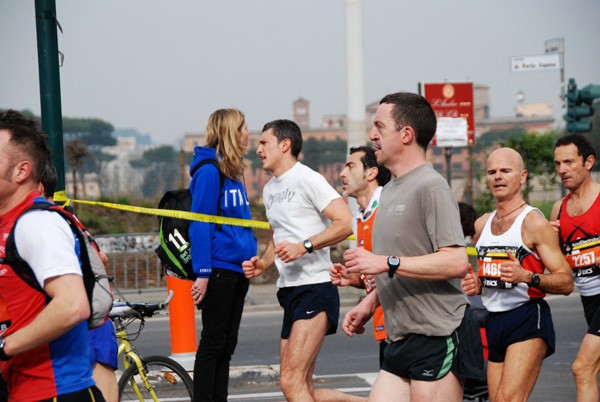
[(307, 216)]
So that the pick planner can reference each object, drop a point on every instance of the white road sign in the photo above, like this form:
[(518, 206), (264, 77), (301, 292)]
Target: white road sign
[(543, 62), (451, 132)]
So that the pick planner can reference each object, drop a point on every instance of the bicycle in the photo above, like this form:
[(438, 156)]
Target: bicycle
[(151, 378)]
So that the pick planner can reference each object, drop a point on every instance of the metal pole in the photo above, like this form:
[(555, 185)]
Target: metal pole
[(449, 166), (47, 42)]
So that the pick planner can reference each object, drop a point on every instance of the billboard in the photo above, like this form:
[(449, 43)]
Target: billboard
[(452, 103)]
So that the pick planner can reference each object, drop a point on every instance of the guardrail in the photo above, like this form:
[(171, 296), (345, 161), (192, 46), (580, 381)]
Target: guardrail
[(133, 262)]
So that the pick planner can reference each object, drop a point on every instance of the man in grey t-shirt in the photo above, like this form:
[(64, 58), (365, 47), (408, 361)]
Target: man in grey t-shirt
[(418, 259)]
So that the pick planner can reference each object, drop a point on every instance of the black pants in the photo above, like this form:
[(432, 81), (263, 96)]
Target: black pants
[(91, 394), (221, 316)]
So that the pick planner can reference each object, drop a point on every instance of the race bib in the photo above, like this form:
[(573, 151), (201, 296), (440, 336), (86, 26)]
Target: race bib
[(581, 256), (490, 260)]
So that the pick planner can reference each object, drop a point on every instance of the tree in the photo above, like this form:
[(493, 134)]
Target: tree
[(75, 151), (537, 151), (92, 132), (493, 137), (162, 170)]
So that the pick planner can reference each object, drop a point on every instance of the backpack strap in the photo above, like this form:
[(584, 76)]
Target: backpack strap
[(221, 182), (22, 268)]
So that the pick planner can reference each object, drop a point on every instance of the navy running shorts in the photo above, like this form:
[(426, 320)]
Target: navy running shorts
[(528, 321), (305, 302), (103, 345)]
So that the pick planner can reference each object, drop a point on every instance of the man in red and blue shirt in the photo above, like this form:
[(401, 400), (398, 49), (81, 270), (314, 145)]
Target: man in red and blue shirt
[(44, 351)]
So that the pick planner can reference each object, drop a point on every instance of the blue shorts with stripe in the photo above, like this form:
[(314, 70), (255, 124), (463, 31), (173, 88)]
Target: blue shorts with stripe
[(528, 321)]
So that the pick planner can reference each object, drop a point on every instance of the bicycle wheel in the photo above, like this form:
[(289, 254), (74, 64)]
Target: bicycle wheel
[(168, 380)]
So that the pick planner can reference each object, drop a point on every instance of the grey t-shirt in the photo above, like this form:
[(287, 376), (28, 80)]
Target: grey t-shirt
[(417, 215)]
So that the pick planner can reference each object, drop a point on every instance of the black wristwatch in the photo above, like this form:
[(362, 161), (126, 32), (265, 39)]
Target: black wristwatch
[(535, 280), (393, 262), (3, 356), (308, 246)]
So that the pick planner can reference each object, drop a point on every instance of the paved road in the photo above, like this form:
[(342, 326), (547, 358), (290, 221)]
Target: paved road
[(351, 363)]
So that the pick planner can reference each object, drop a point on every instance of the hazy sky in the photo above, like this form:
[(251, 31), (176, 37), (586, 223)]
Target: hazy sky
[(163, 66)]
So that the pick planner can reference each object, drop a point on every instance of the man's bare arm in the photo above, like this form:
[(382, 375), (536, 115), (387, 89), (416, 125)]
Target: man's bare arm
[(340, 228), (69, 306), (538, 235), (446, 263)]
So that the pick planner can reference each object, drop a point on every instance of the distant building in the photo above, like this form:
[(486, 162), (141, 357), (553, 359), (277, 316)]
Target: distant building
[(533, 117), (302, 112)]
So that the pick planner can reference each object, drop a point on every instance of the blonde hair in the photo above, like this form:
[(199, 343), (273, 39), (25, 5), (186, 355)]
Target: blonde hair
[(223, 134)]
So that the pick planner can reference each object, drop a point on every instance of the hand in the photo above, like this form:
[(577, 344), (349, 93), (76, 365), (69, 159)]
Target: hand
[(359, 260), (555, 225), (511, 271), (288, 252), (339, 277), (355, 319), (253, 267), (371, 279), (199, 290), (470, 283), (103, 257)]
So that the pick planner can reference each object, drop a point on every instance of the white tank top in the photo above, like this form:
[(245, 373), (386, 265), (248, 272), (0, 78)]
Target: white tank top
[(492, 250)]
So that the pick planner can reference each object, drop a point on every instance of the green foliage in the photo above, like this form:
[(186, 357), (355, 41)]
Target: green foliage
[(484, 203), (544, 206), (323, 152), (537, 151), (90, 131), (163, 153), (493, 137)]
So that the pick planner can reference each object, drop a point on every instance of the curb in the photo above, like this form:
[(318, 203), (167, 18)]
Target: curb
[(244, 376)]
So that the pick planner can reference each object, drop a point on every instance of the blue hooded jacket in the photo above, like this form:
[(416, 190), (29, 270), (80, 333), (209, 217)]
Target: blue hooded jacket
[(211, 247)]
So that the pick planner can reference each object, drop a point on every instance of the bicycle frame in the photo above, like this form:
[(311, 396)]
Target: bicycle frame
[(130, 355)]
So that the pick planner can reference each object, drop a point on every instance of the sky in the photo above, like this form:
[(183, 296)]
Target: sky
[(162, 67)]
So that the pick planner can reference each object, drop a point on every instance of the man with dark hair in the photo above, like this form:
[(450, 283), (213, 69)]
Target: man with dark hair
[(44, 351), (103, 341), (363, 180), (418, 259), (577, 219), (307, 216)]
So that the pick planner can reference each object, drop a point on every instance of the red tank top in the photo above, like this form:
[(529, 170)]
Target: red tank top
[(580, 237)]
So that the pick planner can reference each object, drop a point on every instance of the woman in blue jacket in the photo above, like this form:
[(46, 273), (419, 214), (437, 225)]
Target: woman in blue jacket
[(219, 250)]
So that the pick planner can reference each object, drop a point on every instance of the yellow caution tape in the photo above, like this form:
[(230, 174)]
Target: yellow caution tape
[(61, 196), (193, 216)]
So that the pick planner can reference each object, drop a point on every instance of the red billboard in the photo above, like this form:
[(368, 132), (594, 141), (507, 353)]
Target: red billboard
[(453, 101)]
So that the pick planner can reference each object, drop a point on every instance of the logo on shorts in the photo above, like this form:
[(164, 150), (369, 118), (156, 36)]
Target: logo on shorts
[(427, 373), (310, 312)]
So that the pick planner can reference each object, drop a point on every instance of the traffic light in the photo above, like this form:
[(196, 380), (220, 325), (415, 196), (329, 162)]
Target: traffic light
[(579, 104)]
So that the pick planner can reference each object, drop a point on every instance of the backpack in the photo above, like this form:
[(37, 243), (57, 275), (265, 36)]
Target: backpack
[(95, 279), (174, 250)]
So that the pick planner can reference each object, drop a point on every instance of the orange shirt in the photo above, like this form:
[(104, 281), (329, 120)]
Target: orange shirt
[(363, 239)]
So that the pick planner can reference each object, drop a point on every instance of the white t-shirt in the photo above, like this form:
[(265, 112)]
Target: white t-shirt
[(294, 203), (47, 243)]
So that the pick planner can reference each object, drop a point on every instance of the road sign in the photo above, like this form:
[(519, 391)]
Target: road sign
[(452, 103), (542, 62), (556, 45)]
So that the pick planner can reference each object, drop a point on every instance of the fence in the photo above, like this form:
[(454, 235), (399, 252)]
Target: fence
[(133, 262)]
